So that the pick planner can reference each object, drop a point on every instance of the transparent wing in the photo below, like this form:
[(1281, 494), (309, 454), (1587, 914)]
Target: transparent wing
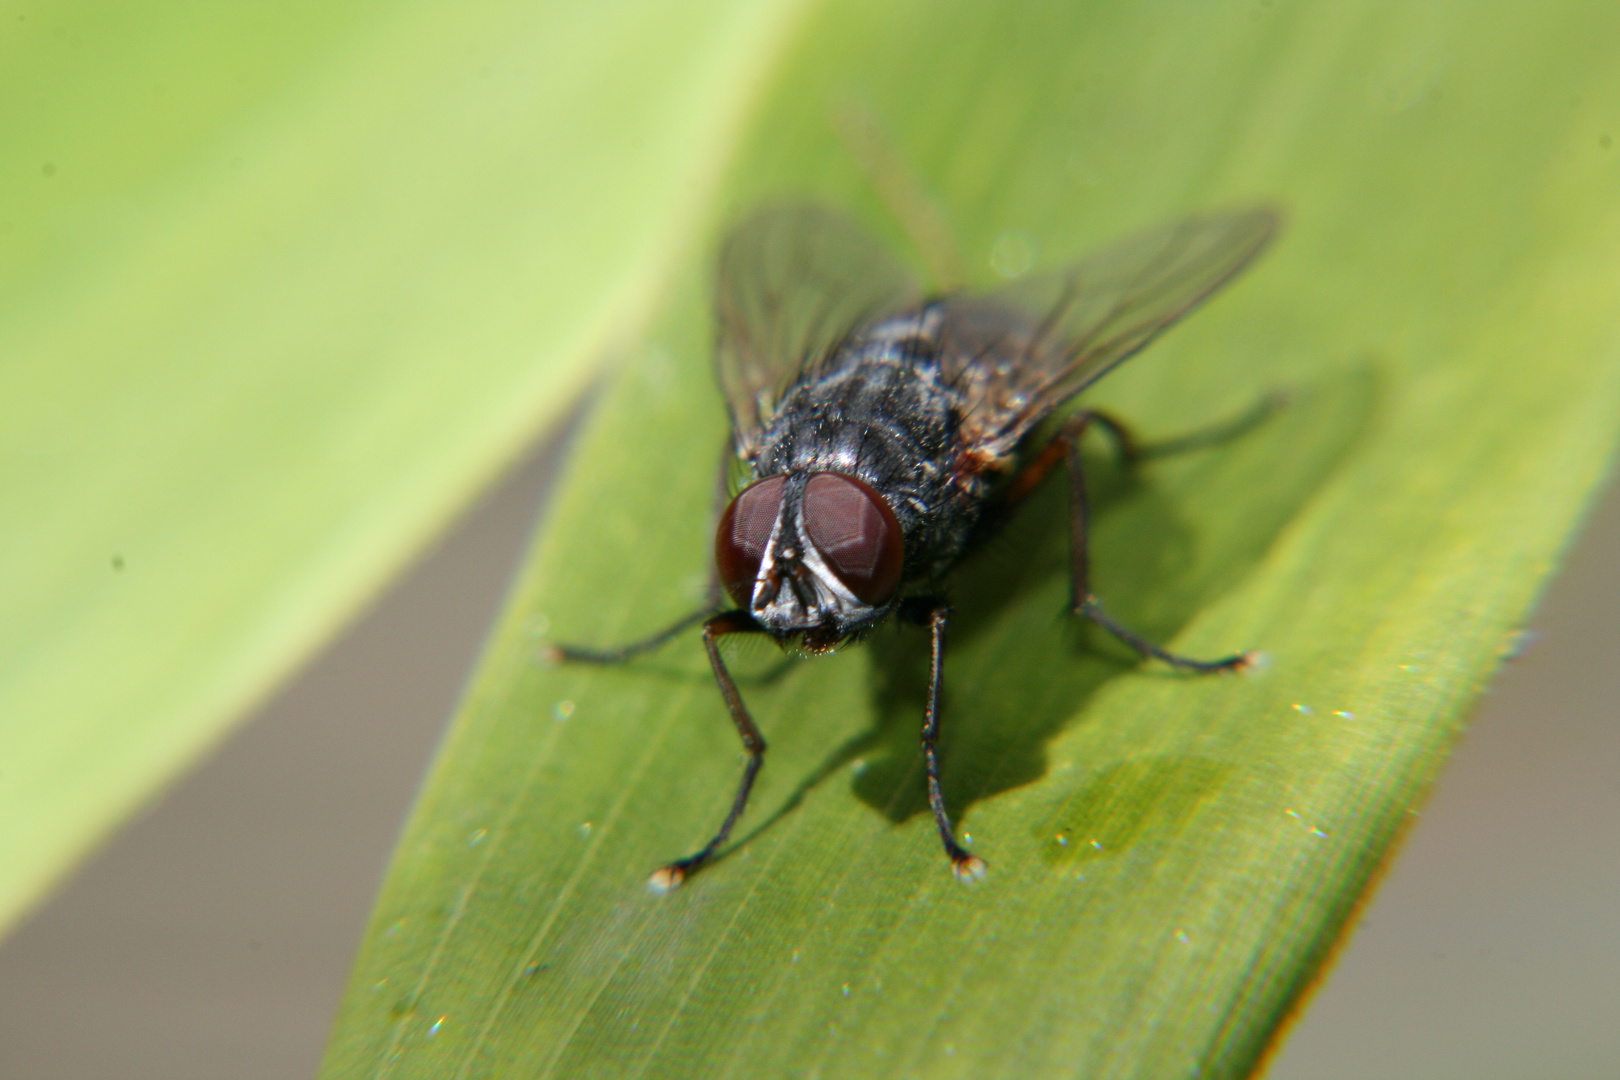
[(1017, 353), (793, 281)]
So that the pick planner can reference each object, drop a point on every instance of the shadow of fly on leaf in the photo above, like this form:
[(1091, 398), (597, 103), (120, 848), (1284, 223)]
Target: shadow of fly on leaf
[(879, 435)]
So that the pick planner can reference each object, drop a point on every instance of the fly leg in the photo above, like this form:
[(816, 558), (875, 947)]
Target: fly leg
[(1213, 435), (1130, 452), (1066, 446), (560, 653), (732, 622), (934, 613)]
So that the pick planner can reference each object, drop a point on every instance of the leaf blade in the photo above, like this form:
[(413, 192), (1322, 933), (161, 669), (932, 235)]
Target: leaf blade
[(1379, 539)]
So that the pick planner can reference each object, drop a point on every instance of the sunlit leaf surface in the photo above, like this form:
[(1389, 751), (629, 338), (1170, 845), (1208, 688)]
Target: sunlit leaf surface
[(1170, 858)]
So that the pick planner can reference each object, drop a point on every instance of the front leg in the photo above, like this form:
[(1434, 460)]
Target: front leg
[(732, 622), (934, 613), (576, 654)]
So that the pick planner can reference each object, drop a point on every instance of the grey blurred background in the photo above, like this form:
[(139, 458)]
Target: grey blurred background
[(210, 939)]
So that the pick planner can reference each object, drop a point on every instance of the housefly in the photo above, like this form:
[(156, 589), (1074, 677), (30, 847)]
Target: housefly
[(878, 434)]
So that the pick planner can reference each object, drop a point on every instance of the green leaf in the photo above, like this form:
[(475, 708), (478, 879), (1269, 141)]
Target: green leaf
[(281, 286), (1171, 858)]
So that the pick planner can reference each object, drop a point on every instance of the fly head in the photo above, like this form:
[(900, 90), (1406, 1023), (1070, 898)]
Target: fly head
[(813, 554)]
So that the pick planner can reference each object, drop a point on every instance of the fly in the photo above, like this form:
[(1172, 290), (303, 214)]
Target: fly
[(877, 435)]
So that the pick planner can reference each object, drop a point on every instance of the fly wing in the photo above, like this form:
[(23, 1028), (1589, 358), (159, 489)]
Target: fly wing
[(794, 281), (1017, 353)]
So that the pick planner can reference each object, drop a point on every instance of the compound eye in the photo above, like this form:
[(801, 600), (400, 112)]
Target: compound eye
[(856, 533), (745, 529)]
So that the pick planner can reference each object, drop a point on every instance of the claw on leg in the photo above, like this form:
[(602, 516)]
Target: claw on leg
[(968, 868), (666, 879)]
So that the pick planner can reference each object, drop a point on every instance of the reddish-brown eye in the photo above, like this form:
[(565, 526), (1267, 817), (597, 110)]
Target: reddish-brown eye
[(856, 533), (745, 529)]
